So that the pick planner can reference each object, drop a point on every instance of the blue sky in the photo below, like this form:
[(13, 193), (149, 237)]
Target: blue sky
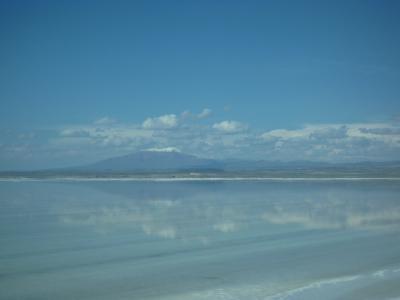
[(286, 80)]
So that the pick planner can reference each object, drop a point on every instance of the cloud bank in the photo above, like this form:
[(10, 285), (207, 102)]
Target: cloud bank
[(162, 122), (230, 126), (198, 134)]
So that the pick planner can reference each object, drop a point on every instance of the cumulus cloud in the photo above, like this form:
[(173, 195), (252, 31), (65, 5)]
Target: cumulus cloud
[(186, 114), (379, 131), (105, 121), (162, 122), (225, 227), (285, 134), (230, 126), (373, 141), (78, 144), (93, 142), (204, 113), (327, 142), (161, 231), (75, 132), (308, 132), (335, 213), (166, 149), (332, 132)]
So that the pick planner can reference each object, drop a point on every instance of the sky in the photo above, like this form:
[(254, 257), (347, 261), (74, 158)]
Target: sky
[(276, 80)]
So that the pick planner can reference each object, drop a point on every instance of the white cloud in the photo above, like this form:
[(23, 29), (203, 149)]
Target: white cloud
[(186, 114), (162, 122), (164, 232), (105, 121), (75, 132), (225, 227), (226, 139), (320, 131), (373, 131), (285, 134), (166, 149), (230, 126), (107, 140), (334, 214), (333, 142), (204, 113), (383, 132), (329, 142)]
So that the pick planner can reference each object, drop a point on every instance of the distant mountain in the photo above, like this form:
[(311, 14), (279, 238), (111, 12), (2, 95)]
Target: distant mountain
[(153, 161), (170, 162)]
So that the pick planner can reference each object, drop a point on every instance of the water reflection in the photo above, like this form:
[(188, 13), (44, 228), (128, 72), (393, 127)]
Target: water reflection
[(188, 210), (196, 240)]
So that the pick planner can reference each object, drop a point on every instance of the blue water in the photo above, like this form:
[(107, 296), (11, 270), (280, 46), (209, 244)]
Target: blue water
[(200, 240)]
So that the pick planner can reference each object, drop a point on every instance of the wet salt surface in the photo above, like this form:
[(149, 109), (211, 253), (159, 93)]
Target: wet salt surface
[(200, 240)]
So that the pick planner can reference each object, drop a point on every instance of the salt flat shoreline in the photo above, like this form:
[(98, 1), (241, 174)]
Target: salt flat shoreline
[(236, 238), (266, 175), (177, 179)]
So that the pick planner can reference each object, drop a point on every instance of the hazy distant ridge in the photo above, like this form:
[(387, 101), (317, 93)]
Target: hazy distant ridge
[(177, 161), (153, 161)]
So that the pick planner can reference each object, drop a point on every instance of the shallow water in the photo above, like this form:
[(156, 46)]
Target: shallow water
[(200, 240)]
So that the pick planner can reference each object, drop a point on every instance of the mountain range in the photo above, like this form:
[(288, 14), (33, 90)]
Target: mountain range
[(151, 161)]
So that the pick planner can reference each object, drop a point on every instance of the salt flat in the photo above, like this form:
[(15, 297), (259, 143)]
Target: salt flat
[(200, 239)]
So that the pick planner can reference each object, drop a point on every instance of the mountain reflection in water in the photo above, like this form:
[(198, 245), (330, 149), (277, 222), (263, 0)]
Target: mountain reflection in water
[(199, 240)]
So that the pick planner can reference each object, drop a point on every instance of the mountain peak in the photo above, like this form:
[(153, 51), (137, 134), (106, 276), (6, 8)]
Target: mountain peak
[(154, 159), (166, 149), (171, 159)]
